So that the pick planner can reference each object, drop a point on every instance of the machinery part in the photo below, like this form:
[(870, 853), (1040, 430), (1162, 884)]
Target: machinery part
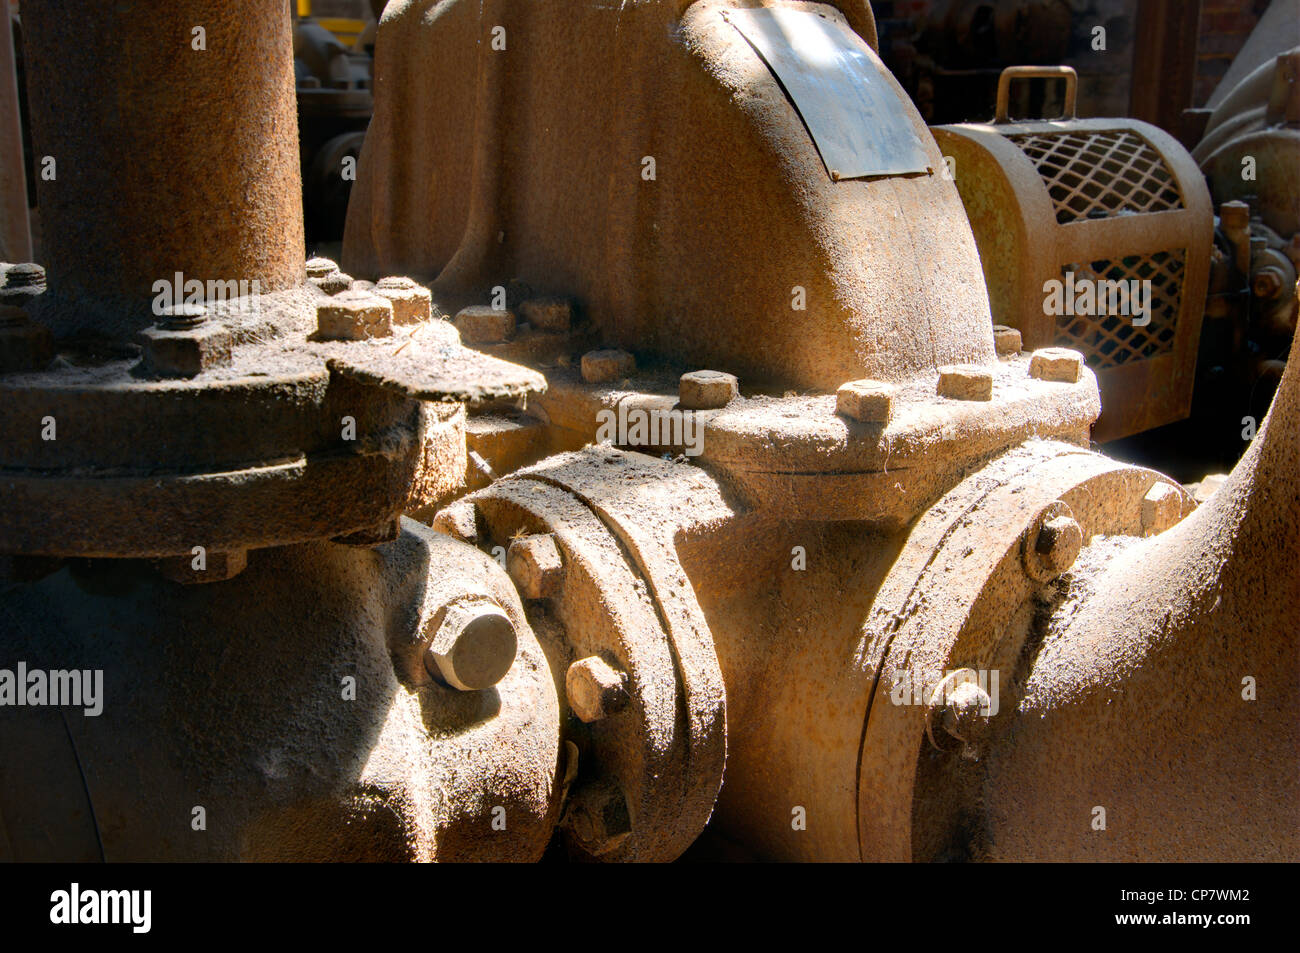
[(15, 230), (1002, 112), (332, 68), (1248, 155), (950, 592), (314, 745), (595, 689), (798, 454), (472, 645), (626, 601), (177, 453), (327, 185), (1204, 619), (102, 281), (649, 281), (596, 634), (1276, 30), (1096, 206), (1258, 123)]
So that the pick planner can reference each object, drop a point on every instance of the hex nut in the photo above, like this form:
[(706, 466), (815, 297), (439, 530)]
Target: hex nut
[(965, 382), (868, 401), (547, 314), (472, 647), (964, 714), (334, 283), (21, 283), (459, 520), (320, 267), (480, 324), (595, 689), (707, 390), (1007, 341), (1162, 507), (411, 302), (1058, 364), (598, 817), (1053, 544), (24, 275), (354, 316), (185, 352), (1208, 487), (606, 364), (535, 566)]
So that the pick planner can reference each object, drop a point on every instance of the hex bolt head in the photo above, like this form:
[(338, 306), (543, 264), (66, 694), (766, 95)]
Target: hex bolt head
[(181, 317), (1053, 544), (963, 709), (598, 817), (1162, 507), (1007, 341), (184, 343), (472, 647), (334, 283), (964, 714), (25, 275), (595, 689), (965, 382), (707, 390), (1268, 282), (480, 324), (459, 520), (868, 401), (607, 364), (535, 566), (1058, 364), (411, 302), (354, 316), (547, 314), (320, 267)]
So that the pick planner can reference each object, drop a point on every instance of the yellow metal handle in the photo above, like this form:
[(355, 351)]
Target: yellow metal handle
[(1037, 72)]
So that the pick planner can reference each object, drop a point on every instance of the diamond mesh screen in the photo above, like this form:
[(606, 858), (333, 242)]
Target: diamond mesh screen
[(1100, 174), (1109, 340)]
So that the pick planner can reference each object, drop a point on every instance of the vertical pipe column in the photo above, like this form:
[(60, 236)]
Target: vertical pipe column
[(15, 234), (173, 135)]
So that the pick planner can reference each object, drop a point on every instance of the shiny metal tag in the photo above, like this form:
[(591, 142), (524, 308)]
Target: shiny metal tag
[(839, 87)]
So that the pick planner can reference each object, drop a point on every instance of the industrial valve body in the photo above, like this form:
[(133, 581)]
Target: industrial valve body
[(739, 525)]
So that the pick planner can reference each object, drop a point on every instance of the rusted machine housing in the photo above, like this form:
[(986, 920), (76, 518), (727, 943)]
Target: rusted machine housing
[(706, 635), (1108, 199)]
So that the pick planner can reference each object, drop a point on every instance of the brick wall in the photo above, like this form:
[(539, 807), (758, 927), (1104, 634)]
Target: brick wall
[(1225, 27)]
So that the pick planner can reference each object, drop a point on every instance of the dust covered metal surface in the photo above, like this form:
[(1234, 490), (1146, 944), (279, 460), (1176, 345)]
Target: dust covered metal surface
[(839, 88)]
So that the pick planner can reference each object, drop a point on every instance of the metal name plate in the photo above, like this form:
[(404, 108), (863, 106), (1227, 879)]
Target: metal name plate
[(839, 87)]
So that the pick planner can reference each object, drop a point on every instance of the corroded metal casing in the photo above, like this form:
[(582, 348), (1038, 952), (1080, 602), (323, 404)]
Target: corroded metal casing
[(1106, 200)]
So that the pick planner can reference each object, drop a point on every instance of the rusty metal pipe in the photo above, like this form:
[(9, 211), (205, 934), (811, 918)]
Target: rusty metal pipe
[(15, 233), (175, 149), (1167, 696)]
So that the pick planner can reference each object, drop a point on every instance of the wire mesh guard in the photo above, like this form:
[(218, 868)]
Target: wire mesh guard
[(1109, 340), (1100, 174)]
